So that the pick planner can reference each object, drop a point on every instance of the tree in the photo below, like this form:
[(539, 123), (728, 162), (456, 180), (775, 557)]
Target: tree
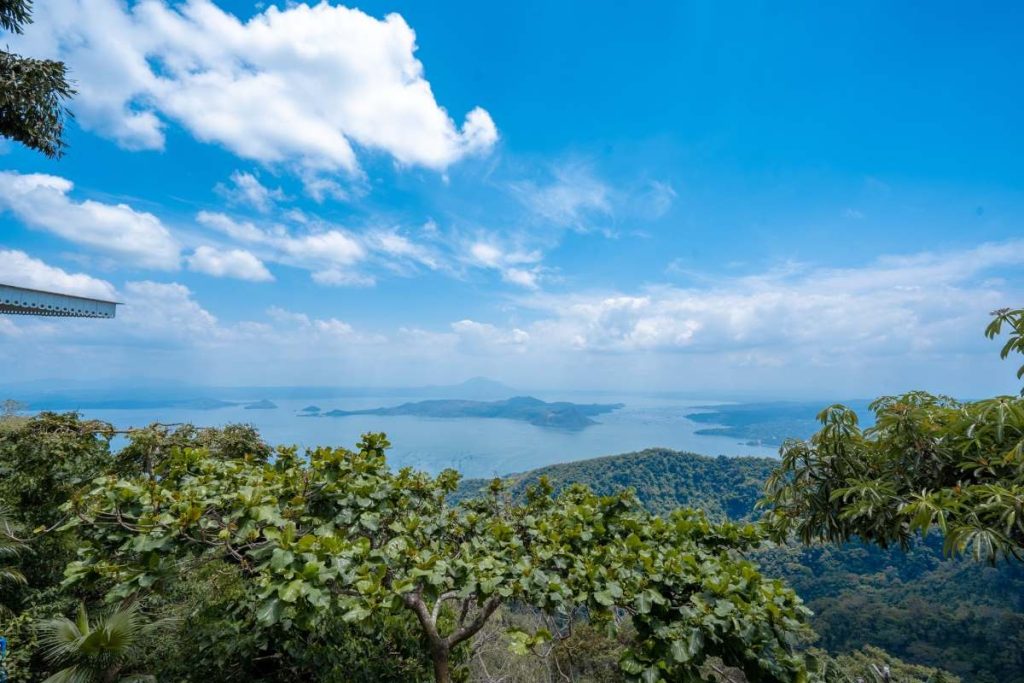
[(10, 550), (32, 91), (100, 650), (928, 462), (337, 532)]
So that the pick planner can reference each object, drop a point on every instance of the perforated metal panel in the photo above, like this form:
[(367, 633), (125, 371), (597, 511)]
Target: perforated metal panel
[(22, 301)]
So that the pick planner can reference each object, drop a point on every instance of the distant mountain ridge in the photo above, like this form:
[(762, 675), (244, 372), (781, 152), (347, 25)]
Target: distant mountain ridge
[(561, 415), (87, 396)]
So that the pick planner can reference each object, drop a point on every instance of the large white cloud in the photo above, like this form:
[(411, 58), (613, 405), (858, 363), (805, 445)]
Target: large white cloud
[(19, 269), (301, 86), (41, 201)]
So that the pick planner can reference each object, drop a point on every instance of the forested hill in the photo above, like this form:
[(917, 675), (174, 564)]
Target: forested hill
[(956, 614), (663, 480)]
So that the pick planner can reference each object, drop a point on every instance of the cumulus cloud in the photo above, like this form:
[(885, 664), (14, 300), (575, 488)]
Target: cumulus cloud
[(245, 189), (42, 201), (235, 263), (19, 269), (330, 254), (303, 86)]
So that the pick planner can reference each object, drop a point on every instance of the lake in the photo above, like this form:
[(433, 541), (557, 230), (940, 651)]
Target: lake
[(477, 447)]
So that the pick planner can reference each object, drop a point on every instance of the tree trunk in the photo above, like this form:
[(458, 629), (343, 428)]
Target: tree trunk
[(439, 655)]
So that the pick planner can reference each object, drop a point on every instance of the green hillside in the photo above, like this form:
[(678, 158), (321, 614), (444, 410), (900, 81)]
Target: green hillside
[(663, 480)]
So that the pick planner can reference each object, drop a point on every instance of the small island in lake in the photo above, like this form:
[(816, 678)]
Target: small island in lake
[(261, 405), (310, 410), (560, 415)]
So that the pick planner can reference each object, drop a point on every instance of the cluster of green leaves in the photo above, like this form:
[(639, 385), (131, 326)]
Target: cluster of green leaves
[(928, 462), (32, 91), (1013, 320), (337, 531)]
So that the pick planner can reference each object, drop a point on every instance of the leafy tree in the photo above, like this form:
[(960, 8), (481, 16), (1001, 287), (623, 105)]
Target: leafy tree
[(928, 462), (32, 91), (10, 551), (337, 532), (100, 650), (1013, 319)]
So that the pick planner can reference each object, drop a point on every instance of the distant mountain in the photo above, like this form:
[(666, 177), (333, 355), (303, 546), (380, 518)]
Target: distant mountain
[(73, 403), (261, 405), (526, 408), (74, 395)]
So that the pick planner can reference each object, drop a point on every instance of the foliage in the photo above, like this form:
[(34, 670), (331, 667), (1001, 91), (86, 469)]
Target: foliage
[(97, 650), (870, 665), (954, 614), (32, 91), (43, 462), (1013, 319), (337, 531), (10, 551), (928, 462)]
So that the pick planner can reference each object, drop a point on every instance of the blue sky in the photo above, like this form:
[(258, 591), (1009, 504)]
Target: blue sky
[(790, 201)]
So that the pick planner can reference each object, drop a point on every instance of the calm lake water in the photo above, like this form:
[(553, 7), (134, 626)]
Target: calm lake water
[(476, 447)]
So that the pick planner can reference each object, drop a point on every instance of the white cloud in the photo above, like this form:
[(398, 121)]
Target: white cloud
[(484, 336), (573, 196), (302, 86), (338, 277), (246, 189), (136, 237), (393, 244), (522, 277), (19, 269), (516, 266), (165, 312), (236, 263), (926, 302), (331, 254)]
